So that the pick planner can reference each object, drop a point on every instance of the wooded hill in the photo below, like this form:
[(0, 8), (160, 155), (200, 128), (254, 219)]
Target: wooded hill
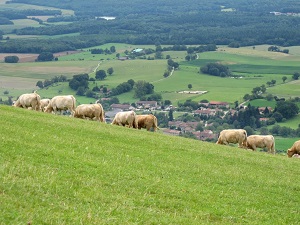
[(241, 23)]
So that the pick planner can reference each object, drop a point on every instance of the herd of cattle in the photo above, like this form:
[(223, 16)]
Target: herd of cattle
[(84, 111), (132, 120), (254, 141)]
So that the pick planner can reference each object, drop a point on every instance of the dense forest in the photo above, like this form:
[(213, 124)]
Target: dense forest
[(226, 22)]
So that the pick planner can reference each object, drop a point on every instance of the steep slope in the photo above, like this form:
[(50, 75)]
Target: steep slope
[(62, 170)]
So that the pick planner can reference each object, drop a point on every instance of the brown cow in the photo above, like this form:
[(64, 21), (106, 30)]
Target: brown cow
[(261, 141), (90, 111), (62, 102), (147, 122), (29, 101), (233, 136), (125, 118), (295, 149)]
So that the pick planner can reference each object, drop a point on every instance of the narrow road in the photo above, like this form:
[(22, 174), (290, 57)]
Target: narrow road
[(164, 77)]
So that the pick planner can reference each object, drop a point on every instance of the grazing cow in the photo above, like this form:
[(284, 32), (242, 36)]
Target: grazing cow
[(44, 103), (29, 101), (147, 122), (295, 149), (125, 118), (233, 136), (62, 102), (261, 141), (90, 111)]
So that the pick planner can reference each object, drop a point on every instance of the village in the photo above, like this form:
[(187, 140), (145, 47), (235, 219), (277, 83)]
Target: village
[(177, 127)]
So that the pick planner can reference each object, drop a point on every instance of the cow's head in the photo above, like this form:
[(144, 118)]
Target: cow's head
[(290, 153), (47, 109)]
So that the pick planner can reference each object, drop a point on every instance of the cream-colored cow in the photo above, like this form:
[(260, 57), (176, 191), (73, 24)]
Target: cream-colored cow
[(29, 101), (90, 111), (294, 150), (125, 118), (44, 103), (261, 141), (233, 136), (63, 102)]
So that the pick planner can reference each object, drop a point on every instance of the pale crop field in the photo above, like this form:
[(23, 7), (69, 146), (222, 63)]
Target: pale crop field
[(19, 24), (20, 6)]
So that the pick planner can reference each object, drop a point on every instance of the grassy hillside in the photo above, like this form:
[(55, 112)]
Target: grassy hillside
[(61, 170)]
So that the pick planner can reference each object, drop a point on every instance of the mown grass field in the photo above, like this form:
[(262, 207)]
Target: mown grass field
[(62, 170)]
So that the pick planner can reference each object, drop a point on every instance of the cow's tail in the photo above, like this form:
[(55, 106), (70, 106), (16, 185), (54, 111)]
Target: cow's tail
[(244, 143), (102, 115), (73, 105), (155, 123), (135, 124), (273, 146), (38, 101)]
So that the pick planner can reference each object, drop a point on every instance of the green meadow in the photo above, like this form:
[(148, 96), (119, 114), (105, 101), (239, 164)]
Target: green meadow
[(62, 170), (254, 66)]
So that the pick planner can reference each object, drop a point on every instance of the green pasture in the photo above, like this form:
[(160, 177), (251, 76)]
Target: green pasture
[(148, 70), (287, 90), (19, 24), (283, 144), (61, 170), (292, 123), (262, 103), (261, 68)]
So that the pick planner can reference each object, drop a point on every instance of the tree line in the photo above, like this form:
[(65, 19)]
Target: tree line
[(210, 25)]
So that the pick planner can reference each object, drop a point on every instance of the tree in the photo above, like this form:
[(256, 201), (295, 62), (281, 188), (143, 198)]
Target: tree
[(190, 86), (100, 75), (171, 118), (40, 84), (90, 94), (142, 88), (287, 108), (166, 73), (158, 55), (11, 59), (264, 131), (199, 127), (296, 76), (80, 80), (284, 79), (131, 82), (273, 82), (249, 130), (110, 70), (80, 91), (45, 56), (167, 102), (277, 116), (215, 69), (269, 97), (112, 49)]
